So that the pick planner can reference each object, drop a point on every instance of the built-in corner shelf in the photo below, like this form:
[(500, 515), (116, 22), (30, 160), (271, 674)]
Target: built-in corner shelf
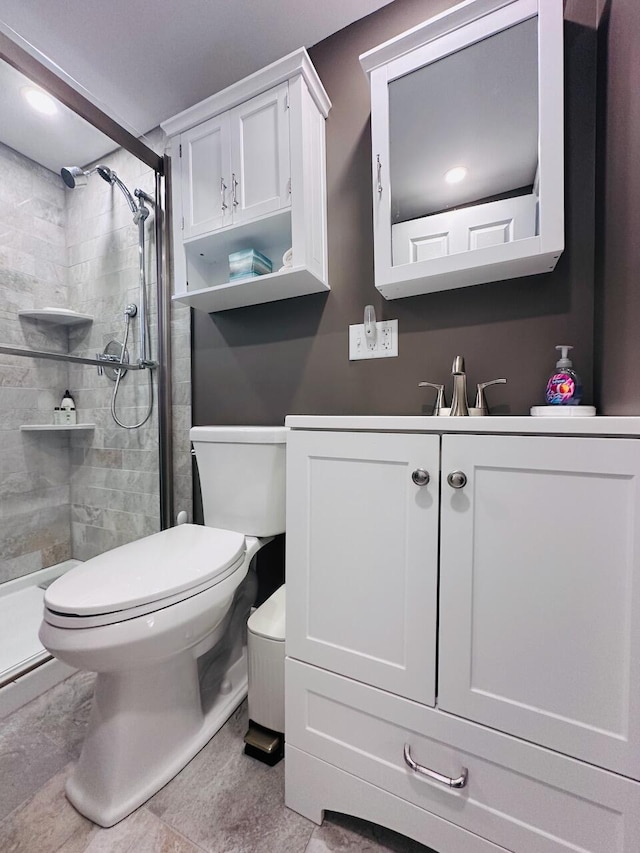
[(55, 427), (297, 281), (61, 316)]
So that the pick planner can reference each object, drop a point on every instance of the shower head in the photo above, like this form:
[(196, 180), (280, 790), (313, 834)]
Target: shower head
[(105, 173), (110, 177), (74, 176)]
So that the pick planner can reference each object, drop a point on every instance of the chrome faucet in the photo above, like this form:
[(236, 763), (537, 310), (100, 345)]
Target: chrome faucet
[(459, 405)]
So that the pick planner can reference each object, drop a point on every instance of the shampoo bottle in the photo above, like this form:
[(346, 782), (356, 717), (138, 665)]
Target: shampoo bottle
[(68, 409), (564, 387)]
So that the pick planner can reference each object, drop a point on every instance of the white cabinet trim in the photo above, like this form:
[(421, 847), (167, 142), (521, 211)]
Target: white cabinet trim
[(289, 66)]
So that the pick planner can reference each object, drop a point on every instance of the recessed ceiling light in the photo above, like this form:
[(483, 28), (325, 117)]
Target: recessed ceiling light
[(40, 101), (455, 175)]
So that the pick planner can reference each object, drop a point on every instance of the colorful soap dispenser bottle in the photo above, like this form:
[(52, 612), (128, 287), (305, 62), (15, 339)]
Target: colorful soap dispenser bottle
[(564, 387)]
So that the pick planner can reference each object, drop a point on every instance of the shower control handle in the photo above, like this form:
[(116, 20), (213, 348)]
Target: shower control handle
[(234, 190)]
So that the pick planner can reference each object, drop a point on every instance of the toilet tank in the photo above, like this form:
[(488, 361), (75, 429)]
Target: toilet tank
[(242, 477)]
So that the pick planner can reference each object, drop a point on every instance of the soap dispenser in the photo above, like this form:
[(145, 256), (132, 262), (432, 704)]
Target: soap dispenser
[(564, 387)]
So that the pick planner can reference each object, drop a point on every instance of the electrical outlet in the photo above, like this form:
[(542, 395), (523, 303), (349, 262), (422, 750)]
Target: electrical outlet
[(384, 344)]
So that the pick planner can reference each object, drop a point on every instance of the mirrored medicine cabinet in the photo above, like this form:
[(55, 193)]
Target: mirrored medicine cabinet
[(467, 147)]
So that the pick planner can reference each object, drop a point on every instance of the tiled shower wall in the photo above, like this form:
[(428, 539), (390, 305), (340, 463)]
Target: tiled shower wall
[(34, 467), (114, 471), (110, 474)]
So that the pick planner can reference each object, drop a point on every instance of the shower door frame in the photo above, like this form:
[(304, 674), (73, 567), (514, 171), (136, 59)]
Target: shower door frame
[(32, 68)]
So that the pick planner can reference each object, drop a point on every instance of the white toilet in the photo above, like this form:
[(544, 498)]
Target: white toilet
[(163, 622)]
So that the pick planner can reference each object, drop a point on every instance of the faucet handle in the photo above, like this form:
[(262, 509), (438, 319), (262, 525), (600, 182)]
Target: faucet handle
[(481, 400), (440, 402)]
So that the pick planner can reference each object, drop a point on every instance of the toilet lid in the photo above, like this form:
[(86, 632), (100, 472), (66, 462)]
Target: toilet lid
[(148, 570)]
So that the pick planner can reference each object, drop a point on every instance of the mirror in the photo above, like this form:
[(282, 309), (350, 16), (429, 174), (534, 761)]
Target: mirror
[(467, 147), (463, 167)]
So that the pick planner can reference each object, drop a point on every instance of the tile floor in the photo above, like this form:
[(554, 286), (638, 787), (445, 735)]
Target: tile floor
[(222, 802)]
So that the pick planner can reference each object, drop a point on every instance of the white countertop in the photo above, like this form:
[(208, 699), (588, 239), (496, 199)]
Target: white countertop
[(518, 425)]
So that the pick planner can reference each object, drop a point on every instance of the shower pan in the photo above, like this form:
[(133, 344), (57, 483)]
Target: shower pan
[(90, 270)]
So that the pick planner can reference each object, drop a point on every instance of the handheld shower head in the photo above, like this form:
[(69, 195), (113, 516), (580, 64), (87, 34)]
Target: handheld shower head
[(110, 177), (74, 176), (106, 173)]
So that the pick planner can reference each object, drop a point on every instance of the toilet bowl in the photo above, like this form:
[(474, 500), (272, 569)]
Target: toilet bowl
[(162, 621)]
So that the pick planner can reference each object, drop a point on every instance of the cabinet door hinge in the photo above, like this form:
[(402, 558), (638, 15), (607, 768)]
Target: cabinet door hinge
[(180, 150), (286, 100), (289, 186), (182, 224)]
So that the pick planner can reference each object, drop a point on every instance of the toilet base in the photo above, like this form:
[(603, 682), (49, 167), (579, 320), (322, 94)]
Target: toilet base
[(145, 726)]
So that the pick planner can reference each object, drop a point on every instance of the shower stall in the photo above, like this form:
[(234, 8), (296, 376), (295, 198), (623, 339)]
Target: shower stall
[(85, 310)]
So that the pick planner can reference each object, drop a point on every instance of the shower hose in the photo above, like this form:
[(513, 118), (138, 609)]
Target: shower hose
[(117, 385)]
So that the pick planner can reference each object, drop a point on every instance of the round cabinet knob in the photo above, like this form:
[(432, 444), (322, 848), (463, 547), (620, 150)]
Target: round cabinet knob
[(420, 477), (457, 479)]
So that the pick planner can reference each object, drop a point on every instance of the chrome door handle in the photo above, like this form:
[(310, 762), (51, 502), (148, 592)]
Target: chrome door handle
[(420, 477), (458, 783), (223, 186), (234, 190), (457, 479)]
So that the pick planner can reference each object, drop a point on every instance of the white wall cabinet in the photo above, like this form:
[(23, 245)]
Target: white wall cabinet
[(488, 621), (248, 169), (260, 163), (204, 175), (477, 89)]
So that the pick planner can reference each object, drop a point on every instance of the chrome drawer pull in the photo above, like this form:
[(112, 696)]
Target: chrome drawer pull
[(460, 782)]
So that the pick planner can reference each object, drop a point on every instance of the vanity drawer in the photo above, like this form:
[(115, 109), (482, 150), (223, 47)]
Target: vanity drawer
[(518, 795)]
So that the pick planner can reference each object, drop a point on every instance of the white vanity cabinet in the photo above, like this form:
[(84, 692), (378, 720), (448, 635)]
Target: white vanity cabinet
[(355, 539), (248, 172), (484, 625)]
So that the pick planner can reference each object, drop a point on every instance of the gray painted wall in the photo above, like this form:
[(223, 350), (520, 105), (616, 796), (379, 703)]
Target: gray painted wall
[(618, 259), (256, 365)]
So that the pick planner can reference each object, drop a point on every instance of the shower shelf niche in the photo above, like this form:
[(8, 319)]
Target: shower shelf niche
[(61, 316), (55, 427)]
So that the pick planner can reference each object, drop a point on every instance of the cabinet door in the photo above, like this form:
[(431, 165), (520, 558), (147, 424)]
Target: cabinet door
[(540, 592), (206, 177), (260, 168), (362, 548)]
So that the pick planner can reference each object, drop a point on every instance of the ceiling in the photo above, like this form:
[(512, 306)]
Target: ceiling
[(143, 61)]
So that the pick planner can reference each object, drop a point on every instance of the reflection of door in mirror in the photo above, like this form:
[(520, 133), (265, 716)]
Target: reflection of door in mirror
[(464, 148), (468, 147)]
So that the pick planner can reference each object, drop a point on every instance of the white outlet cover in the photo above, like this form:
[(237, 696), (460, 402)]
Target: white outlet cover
[(384, 345)]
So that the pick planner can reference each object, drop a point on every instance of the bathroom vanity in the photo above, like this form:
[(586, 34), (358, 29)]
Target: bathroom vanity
[(463, 629)]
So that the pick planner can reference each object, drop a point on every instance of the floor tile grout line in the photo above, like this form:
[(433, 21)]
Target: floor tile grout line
[(30, 796), (174, 829)]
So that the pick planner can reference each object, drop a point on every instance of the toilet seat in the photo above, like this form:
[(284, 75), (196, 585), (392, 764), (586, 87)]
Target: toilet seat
[(144, 576)]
